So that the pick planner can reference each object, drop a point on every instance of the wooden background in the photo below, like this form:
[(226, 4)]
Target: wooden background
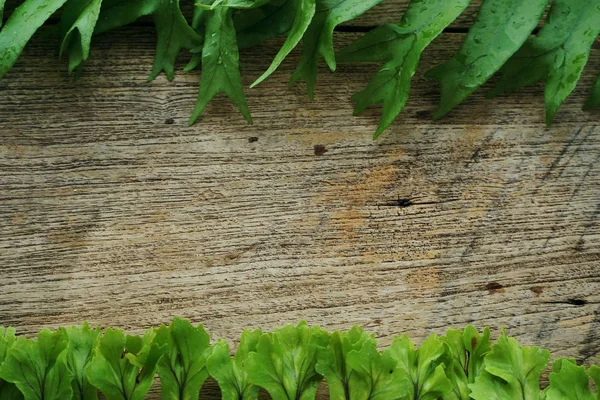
[(114, 211)]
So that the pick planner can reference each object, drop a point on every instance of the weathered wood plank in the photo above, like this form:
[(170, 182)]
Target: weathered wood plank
[(114, 211)]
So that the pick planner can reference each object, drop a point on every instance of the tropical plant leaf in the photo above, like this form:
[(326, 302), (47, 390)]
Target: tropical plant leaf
[(499, 40), (255, 25)]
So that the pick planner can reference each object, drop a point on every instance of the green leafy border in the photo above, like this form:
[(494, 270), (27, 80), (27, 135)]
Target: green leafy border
[(500, 40), (289, 363)]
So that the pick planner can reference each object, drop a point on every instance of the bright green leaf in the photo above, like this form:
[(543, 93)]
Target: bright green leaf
[(465, 352), (38, 367), (230, 372), (123, 366), (284, 362), (501, 28), (400, 47), (182, 370), (220, 64), (355, 370), (594, 373), (318, 39), (423, 367), (374, 376), (8, 391), (333, 360), (81, 343), (569, 382), (511, 372), (557, 55), (77, 24), (21, 26)]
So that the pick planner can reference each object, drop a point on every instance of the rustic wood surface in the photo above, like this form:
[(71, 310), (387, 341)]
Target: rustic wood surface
[(114, 211)]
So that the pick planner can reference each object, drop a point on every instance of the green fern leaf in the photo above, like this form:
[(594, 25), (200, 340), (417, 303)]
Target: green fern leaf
[(400, 46)]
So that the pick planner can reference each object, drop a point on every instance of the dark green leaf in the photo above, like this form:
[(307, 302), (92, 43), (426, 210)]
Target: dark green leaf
[(77, 24), (318, 39), (254, 26), (1, 12), (594, 99), (501, 28), (305, 11), (400, 47), (174, 33), (118, 13)]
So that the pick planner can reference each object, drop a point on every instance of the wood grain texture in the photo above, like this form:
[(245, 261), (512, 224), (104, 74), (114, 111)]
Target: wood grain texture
[(113, 210)]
